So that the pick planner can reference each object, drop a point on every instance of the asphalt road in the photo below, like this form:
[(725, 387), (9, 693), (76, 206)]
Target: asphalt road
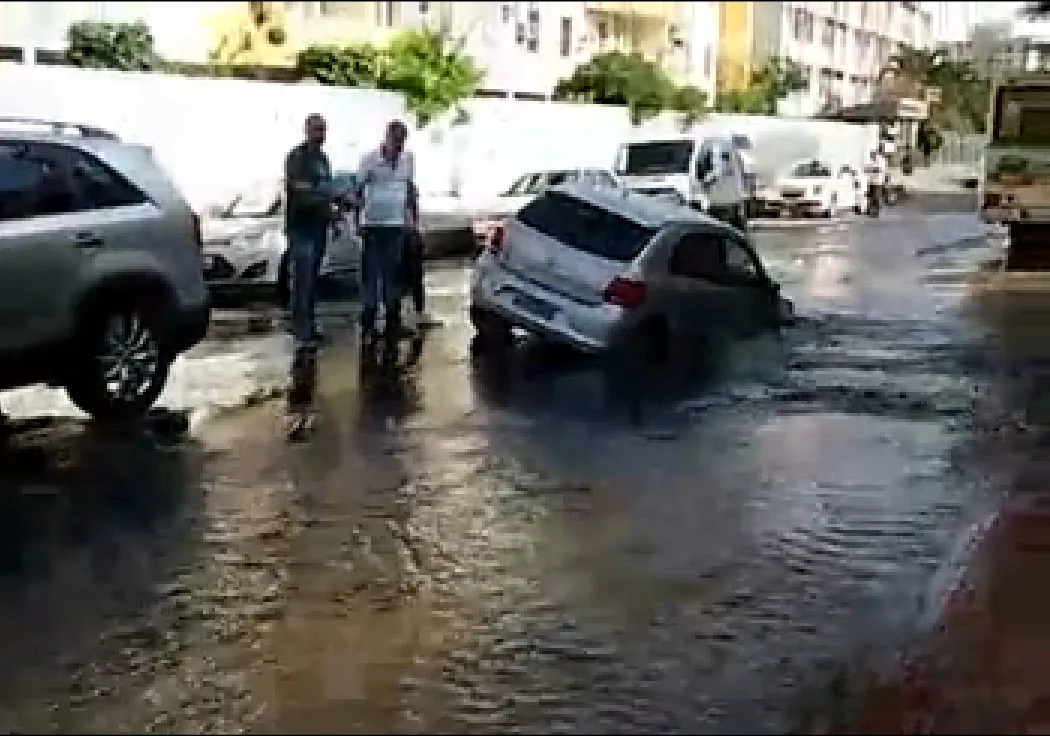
[(459, 550)]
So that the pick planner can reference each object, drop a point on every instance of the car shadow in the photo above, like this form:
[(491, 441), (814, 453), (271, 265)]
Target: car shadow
[(69, 487)]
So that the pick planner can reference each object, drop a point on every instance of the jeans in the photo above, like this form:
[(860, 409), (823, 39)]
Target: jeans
[(306, 249), (413, 270), (381, 260)]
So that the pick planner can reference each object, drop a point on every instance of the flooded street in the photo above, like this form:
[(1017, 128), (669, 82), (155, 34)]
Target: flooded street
[(457, 553)]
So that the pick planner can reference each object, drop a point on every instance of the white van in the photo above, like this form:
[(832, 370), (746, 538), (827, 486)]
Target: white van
[(704, 172)]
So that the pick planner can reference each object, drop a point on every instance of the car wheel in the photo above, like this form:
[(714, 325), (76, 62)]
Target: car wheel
[(120, 362), (492, 332), (630, 362)]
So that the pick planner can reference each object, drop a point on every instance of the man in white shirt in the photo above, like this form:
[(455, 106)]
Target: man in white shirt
[(389, 210)]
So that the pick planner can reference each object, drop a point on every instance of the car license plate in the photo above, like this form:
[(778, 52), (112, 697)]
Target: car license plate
[(536, 306)]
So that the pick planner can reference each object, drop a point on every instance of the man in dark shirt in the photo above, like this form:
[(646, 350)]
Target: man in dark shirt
[(308, 214)]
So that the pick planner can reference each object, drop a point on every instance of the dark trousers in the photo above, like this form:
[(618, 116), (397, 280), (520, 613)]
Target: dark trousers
[(381, 267), (306, 249), (412, 270)]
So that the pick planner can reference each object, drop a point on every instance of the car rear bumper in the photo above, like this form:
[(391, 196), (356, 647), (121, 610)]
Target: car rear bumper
[(589, 328)]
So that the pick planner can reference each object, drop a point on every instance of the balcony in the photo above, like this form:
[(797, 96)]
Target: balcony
[(656, 11)]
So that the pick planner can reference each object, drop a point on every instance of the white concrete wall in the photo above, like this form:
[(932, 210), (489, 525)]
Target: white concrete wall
[(216, 135)]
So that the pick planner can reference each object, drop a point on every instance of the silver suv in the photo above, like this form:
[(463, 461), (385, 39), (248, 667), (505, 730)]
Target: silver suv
[(605, 269), (101, 280)]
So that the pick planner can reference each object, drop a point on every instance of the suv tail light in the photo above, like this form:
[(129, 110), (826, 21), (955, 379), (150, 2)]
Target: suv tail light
[(626, 293), (496, 235)]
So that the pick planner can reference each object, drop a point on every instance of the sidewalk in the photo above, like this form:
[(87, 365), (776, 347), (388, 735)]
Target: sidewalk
[(986, 668)]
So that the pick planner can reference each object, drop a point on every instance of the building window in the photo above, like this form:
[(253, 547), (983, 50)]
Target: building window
[(827, 37), (386, 14), (328, 8), (565, 40), (424, 8), (798, 24), (532, 42), (519, 33), (707, 61)]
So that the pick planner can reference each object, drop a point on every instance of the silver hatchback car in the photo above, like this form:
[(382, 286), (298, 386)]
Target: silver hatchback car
[(601, 269)]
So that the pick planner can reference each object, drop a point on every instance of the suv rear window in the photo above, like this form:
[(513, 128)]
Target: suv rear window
[(585, 227)]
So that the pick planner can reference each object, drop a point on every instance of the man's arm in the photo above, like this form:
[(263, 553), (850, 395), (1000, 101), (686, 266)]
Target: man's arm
[(412, 206), (363, 169), (295, 172)]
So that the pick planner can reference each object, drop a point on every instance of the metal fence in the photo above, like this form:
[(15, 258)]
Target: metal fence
[(960, 150)]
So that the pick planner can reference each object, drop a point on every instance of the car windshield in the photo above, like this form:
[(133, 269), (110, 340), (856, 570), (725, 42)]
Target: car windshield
[(810, 170), (1022, 116), (534, 183), (259, 200), (741, 142), (587, 228), (656, 157)]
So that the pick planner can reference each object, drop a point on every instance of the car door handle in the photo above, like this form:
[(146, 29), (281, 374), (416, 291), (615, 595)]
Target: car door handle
[(87, 240)]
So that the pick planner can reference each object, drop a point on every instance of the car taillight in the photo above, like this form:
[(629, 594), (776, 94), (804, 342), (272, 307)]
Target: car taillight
[(198, 237), (496, 235), (626, 293)]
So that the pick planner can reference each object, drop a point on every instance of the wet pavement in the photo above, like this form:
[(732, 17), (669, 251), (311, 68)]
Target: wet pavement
[(461, 552)]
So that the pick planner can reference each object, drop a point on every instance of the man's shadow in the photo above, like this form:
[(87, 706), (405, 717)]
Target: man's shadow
[(388, 375)]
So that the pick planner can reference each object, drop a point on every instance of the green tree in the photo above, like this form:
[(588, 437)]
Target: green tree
[(964, 94), (121, 46), (341, 66), (616, 78), (430, 70), (770, 83), (690, 103)]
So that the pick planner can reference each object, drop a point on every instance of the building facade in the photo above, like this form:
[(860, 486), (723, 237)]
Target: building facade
[(841, 46), (523, 47)]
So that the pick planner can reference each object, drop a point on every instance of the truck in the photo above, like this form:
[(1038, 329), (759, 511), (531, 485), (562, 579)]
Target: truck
[(1014, 189)]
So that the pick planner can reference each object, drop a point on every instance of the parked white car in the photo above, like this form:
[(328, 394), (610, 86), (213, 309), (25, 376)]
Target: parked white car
[(245, 247), (814, 188), (526, 187)]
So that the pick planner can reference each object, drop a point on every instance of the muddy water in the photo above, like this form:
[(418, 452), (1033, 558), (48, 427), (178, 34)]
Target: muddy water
[(453, 556)]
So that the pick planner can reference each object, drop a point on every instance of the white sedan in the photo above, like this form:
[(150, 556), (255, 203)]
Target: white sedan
[(813, 187), (526, 187), (245, 247)]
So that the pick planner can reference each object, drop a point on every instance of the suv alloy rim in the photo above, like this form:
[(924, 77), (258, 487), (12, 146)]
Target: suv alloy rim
[(129, 357)]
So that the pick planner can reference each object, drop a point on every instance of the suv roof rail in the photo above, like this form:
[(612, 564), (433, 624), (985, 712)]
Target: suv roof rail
[(62, 128)]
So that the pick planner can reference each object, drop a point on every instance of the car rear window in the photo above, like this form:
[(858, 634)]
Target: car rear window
[(585, 227)]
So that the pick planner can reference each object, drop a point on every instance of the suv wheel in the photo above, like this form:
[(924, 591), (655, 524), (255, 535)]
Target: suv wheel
[(492, 332), (120, 365)]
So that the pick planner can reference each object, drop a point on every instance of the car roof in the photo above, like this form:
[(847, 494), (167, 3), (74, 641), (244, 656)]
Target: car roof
[(643, 209), (133, 160)]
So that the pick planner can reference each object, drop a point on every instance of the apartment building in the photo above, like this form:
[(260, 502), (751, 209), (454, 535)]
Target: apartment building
[(524, 47), (842, 46), (180, 30)]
